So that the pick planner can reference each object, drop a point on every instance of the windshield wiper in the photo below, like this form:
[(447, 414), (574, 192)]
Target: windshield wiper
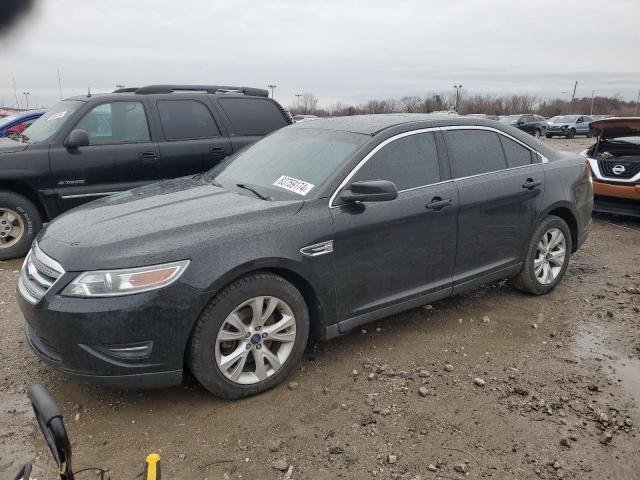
[(252, 190)]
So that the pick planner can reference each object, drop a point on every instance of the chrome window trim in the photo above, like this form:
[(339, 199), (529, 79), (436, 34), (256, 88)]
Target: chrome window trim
[(593, 163), (426, 130), (499, 132)]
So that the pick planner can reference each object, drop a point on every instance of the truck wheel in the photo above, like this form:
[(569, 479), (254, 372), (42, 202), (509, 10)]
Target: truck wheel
[(250, 336), (537, 133), (20, 222), (546, 258), (548, 135), (572, 133)]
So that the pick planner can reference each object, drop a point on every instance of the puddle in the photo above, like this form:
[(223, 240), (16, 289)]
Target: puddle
[(594, 343)]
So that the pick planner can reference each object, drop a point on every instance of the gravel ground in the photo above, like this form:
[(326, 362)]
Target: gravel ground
[(492, 383)]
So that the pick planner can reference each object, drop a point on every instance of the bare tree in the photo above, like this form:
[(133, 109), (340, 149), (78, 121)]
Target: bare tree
[(308, 103)]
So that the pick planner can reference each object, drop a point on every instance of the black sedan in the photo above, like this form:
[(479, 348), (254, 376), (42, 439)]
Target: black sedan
[(315, 230)]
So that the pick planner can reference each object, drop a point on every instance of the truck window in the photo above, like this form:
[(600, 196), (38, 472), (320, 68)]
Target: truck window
[(186, 119), (116, 122), (252, 116)]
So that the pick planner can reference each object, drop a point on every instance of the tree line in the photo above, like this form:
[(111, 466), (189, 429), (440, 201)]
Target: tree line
[(307, 103)]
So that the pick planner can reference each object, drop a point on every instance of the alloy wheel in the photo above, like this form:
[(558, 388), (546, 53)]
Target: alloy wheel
[(255, 340), (550, 256), (11, 227)]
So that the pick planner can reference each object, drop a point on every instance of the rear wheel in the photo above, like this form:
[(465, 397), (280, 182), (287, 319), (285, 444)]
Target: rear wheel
[(547, 257), (548, 135), (250, 337), (537, 133), (20, 222)]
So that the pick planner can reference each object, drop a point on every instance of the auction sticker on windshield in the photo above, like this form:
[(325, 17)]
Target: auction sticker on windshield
[(293, 185)]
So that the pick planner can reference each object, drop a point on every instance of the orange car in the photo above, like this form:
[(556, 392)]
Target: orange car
[(615, 165)]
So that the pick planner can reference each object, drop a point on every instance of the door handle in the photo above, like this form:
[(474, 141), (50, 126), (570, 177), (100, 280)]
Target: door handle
[(216, 151), (149, 156), (530, 183), (438, 204)]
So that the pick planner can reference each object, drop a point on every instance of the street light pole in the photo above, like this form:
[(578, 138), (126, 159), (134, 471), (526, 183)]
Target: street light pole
[(637, 102), (271, 86), (458, 88), (298, 95), (593, 92), (573, 97), (26, 97)]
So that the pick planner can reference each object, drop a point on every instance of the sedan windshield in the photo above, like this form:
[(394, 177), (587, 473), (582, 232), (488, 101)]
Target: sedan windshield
[(49, 123), (289, 163)]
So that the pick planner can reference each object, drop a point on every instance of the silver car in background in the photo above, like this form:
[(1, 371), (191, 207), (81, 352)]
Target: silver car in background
[(569, 126)]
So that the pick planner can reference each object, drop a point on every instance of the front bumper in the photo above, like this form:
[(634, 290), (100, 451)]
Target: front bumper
[(134, 341), (618, 199)]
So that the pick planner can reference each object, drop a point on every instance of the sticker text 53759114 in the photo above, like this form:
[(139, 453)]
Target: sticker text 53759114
[(293, 185)]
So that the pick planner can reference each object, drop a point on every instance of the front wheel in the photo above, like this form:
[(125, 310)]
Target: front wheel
[(250, 337), (571, 134), (547, 257), (20, 222)]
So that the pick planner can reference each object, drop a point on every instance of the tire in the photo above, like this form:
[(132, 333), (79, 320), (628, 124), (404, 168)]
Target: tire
[(527, 280), (548, 135), (537, 133), (208, 348), (20, 222), (572, 133)]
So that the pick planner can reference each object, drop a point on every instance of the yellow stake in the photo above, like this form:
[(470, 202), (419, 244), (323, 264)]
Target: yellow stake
[(153, 467)]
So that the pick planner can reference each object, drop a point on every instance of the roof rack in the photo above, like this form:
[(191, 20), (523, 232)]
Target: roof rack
[(126, 90), (151, 89)]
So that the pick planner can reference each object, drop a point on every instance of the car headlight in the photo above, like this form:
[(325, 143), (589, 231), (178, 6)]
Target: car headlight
[(112, 283)]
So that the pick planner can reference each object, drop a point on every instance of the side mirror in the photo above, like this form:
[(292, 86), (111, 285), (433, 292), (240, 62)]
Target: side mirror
[(51, 423), (77, 138), (370, 191)]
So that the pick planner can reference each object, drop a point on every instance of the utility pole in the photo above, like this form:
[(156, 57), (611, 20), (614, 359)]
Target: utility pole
[(298, 95), (26, 97), (573, 97), (458, 88), (59, 85), (15, 92), (593, 92), (272, 86), (637, 102)]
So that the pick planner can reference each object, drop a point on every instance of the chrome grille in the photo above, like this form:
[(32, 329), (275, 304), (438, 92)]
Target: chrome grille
[(39, 273)]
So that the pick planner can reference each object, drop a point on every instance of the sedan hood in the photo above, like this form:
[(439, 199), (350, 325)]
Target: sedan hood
[(157, 223), (7, 145), (616, 127)]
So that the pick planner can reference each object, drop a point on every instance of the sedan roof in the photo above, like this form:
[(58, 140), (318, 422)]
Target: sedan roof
[(375, 123)]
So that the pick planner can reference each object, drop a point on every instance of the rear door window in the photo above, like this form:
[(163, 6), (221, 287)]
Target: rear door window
[(252, 116), (474, 152), (517, 155), (186, 119), (409, 162), (115, 123)]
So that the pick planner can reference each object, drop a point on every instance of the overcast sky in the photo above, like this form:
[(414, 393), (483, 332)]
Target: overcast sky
[(340, 50)]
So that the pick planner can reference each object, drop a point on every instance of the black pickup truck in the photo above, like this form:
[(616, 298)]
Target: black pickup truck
[(87, 147)]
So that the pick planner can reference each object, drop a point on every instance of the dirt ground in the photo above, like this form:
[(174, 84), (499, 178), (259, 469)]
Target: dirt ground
[(559, 394)]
